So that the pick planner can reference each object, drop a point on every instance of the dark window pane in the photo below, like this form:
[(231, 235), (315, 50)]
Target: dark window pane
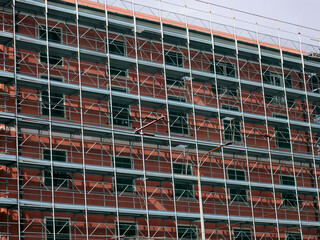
[(174, 58), (288, 81), (183, 189), (314, 82), (282, 135), (237, 194), (232, 126), (293, 236), (178, 122), (121, 114), (187, 232), (241, 234), (289, 198), (60, 179), (54, 35), (117, 47), (57, 101), (127, 230), (174, 81), (62, 229), (124, 184)]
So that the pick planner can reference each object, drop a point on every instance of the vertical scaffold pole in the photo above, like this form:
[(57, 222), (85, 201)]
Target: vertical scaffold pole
[(219, 121), (268, 134), (244, 128), (308, 110), (16, 102), (141, 123), (168, 121), (81, 125), (50, 123), (117, 230), (289, 128), (202, 225)]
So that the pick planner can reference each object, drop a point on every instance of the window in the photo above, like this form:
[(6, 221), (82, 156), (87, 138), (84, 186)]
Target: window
[(293, 236), (183, 189), (232, 126), (224, 68), (54, 35), (127, 230), (60, 179), (62, 229), (175, 81), (275, 79), (187, 232), (124, 184), (272, 78), (117, 47), (289, 198), (121, 114), (56, 99), (173, 58), (241, 234), (118, 73), (282, 135), (278, 101), (237, 194), (178, 120), (314, 82)]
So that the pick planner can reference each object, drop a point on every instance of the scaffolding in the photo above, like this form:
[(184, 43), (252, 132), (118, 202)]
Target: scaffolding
[(107, 108)]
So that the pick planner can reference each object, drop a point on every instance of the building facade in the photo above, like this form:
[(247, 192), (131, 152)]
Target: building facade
[(78, 81)]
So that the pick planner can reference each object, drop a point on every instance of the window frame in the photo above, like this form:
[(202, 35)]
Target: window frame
[(127, 190), (125, 90), (179, 84), (116, 40), (285, 201), (235, 198), (63, 101), (224, 90), (182, 133), (64, 218), (294, 233), (233, 108), (224, 66), (281, 132), (184, 191), (127, 222), (43, 171), (166, 51), (60, 62), (188, 226), (124, 55), (241, 229)]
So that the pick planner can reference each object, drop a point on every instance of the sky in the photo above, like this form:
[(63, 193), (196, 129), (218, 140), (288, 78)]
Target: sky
[(303, 12), (297, 12)]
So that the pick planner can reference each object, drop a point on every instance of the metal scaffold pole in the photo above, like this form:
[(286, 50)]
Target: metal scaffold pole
[(243, 130), (140, 122), (111, 118), (16, 105), (168, 121), (290, 131), (81, 125), (215, 82), (267, 134)]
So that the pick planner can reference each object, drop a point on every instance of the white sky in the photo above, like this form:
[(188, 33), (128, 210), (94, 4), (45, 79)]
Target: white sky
[(303, 12), (299, 12)]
